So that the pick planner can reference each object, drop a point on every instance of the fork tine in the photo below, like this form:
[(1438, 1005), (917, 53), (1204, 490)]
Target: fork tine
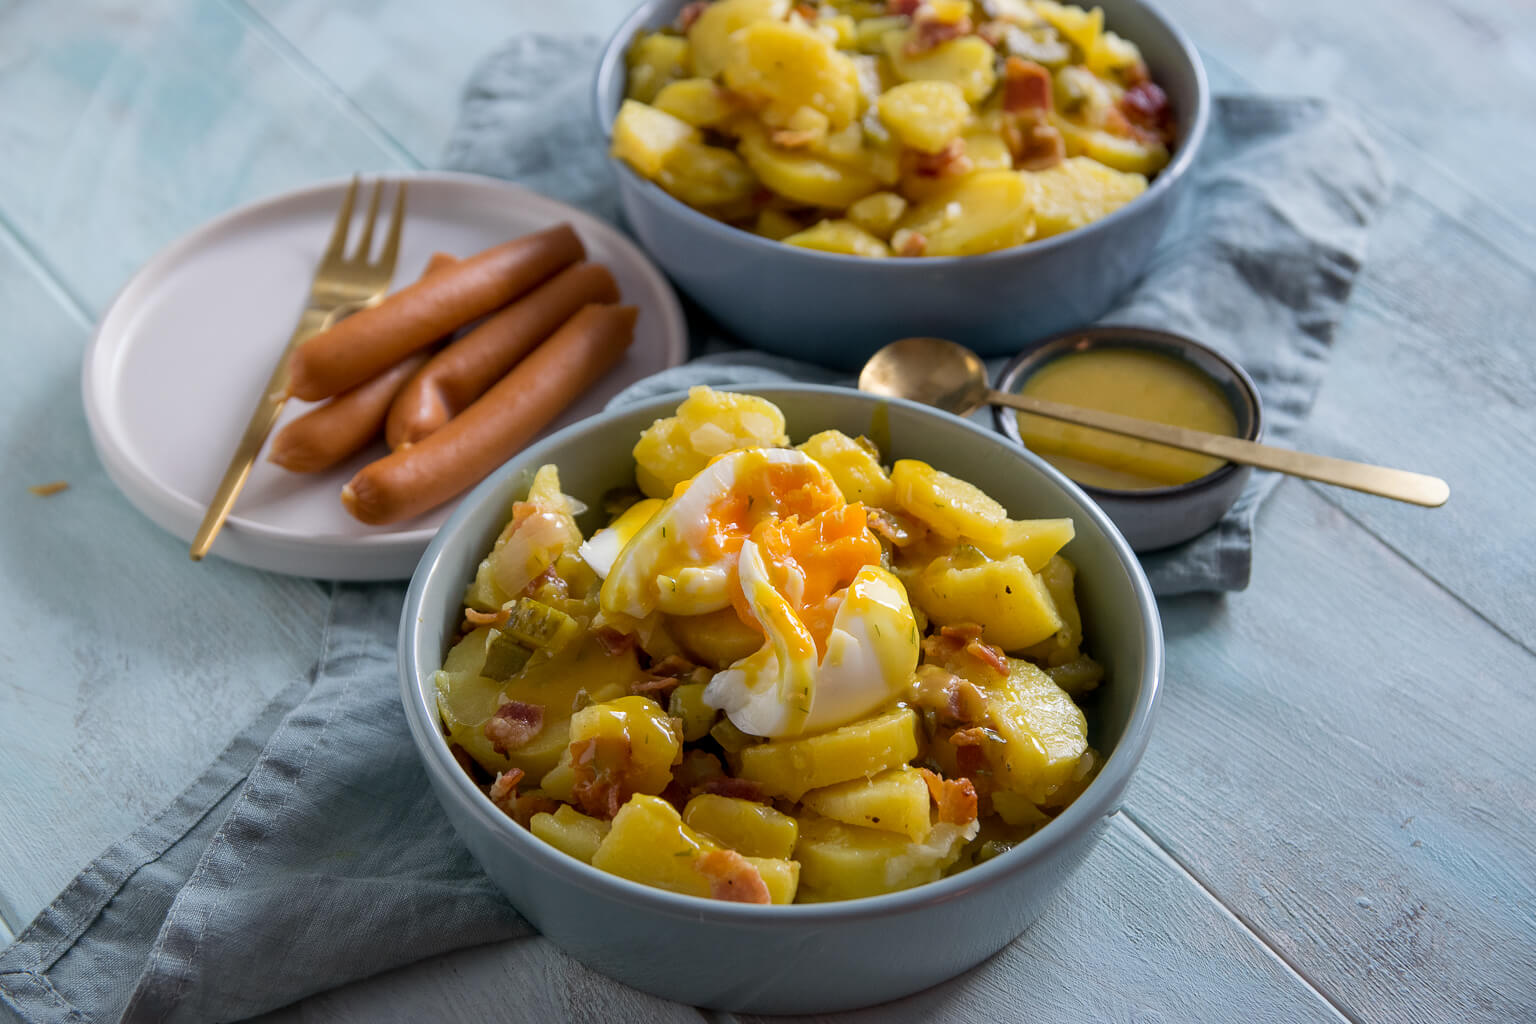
[(365, 244), (392, 240), (338, 243)]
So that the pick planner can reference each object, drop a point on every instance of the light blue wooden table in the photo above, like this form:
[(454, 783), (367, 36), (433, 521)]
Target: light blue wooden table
[(1337, 814)]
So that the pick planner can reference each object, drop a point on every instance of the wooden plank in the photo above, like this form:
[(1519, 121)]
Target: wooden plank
[(1131, 938), (126, 667), (525, 981), (1341, 759), (404, 64), (128, 123)]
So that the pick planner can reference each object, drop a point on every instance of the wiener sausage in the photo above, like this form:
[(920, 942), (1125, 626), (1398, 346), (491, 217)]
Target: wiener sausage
[(343, 426), (468, 367), (498, 424), (374, 339)]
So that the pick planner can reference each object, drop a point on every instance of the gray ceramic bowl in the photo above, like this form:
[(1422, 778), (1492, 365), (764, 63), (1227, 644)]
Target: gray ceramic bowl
[(1157, 517), (837, 310), (812, 958)]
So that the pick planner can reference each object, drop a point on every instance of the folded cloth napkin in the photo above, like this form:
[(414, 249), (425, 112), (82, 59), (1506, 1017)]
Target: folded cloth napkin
[(311, 853)]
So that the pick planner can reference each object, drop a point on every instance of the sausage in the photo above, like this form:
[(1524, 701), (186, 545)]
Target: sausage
[(499, 423), (468, 367), (371, 340), (343, 426)]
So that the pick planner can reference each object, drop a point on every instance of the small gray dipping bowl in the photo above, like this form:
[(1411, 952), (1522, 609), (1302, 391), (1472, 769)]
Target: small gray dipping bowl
[(1157, 517), (818, 957), (837, 310)]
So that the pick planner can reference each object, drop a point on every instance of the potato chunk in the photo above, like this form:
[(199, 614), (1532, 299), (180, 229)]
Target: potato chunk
[(1045, 734), (1009, 602), (782, 67), (804, 177), (570, 831), (655, 60), (787, 768), (1078, 191), (951, 507), (981, 212), (746, 826), (706, 176), (840, 862), (708, 423), (710, 36), (698, 101), (878, 213), (925, 115), (968, 62), (617, 748), (893, 801), (646, 138), (854, 467), (840, 236)]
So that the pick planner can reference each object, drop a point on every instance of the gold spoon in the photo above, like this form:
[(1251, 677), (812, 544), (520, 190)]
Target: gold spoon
[(953, 378)]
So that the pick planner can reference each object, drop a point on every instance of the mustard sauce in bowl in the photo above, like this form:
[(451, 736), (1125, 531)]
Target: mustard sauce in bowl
[(1130, 381), (1158, 496)]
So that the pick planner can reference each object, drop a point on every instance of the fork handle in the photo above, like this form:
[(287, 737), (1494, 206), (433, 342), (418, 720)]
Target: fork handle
[(273, 398)]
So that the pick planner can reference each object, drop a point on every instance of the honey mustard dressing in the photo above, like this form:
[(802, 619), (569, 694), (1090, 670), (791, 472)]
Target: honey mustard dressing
[(1131, 382)]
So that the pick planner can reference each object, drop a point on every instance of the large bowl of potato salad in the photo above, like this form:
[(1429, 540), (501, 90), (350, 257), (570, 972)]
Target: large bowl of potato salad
[(784, 701), (827, 177)]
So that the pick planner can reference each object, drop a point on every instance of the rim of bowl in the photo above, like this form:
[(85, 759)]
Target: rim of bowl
[(1007, 423), (611, 63), (1099, 800)]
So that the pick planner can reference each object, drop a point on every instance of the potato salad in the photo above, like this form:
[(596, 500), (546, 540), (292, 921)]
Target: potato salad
[(900, 128), (779, 673)]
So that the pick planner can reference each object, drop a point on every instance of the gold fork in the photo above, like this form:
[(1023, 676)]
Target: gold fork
[(341, 285)]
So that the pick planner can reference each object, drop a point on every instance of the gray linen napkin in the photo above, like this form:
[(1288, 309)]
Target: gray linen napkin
[(311, 852)]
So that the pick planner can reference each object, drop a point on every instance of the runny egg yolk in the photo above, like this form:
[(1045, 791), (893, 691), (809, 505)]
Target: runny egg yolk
[(767, 531)]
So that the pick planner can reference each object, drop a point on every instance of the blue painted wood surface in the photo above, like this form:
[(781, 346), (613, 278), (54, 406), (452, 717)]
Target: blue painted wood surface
[(1334, 818)]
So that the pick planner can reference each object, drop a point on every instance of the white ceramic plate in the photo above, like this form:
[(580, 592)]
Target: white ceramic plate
[(180, 357)]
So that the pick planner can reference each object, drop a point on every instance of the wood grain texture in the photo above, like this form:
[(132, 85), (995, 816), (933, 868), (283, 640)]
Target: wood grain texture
[(1343, 758), (141, 120), (1130, 939), (526, 981), (126, 667)]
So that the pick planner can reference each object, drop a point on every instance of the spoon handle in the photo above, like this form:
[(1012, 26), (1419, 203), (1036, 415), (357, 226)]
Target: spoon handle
[(1414, 488)]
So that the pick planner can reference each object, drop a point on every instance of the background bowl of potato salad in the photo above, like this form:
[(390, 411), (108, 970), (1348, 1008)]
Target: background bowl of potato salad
[(675, 876), (825, 178)]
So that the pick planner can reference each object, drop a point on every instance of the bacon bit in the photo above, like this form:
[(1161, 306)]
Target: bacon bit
[(474, 618), (911, 244), (988, 654), (601, 766), (927, 35), (513, 725), (49, 490), (1135, 74), (966, 702), (726, 785), (1146, 107), (956, 798), (970, 750), (948, 162), (613, 642), (529, 804), (806, 11), (957, 700), (993, 33), (893, 526), (1026, 85), (786, 138), (663, 676), (906, 7), (695, 772), (690, 14), (653, 686), (504, 789), (549, 578), (732, 877), (962, 631), (465, 761)]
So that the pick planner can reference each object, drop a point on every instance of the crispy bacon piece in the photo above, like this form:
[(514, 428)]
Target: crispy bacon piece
[(614, 643), (929, 31), (503, 791), (956, 798), (947, 162), (988, 654), (601, 767), (907, 7), (806, 11), (1026, 85), (696, 771), (732, 877), (961, 631), (964, 638), (786, 138), (465, 761), (911, 244), (662, 677), (726, 785), (529, 804), (957, 700), (970, 749), (473, 618), (513, 725), (690, 14), (1146, 107)]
